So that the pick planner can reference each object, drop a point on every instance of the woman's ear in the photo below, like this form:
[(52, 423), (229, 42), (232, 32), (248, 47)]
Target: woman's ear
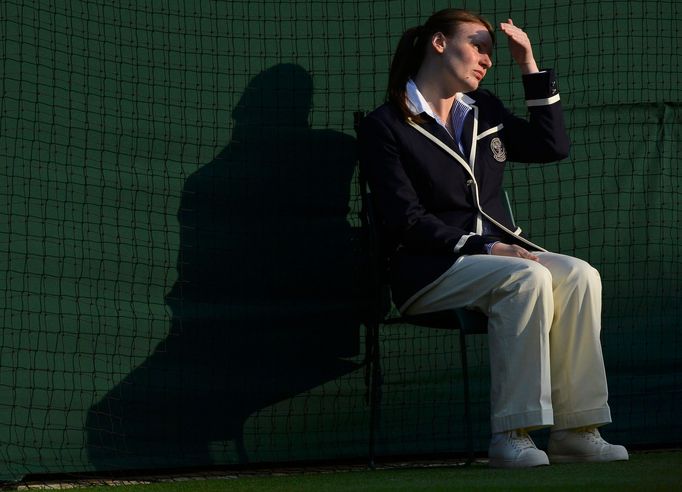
[(438, 42)]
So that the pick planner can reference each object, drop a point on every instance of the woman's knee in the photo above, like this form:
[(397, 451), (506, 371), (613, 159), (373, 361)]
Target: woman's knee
[(533, 275), (571, 271), (582, 274)]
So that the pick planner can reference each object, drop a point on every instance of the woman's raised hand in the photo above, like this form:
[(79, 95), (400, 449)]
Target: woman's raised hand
[(519, 47)]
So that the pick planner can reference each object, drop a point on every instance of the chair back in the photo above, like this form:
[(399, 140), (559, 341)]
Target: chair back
[(378, 261)]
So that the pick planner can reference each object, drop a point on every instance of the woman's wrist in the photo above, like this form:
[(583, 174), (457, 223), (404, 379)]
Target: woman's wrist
[(529, 67), (489, 247)]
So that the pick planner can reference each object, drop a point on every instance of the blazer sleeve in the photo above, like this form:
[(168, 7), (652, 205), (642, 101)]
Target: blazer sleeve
[(403, 219), (543, 137)]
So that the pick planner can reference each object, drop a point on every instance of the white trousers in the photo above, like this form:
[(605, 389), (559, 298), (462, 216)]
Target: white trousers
[(544, 322)]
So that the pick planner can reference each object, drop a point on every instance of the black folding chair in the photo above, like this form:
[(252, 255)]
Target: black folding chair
[(468, 322)]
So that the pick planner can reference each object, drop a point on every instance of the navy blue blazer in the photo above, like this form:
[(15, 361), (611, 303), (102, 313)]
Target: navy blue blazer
[(431, 200)]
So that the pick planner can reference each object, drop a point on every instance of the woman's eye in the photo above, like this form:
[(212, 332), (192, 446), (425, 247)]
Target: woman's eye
[(482, 48)]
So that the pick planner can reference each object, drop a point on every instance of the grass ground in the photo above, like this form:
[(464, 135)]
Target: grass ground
[(646, 471)]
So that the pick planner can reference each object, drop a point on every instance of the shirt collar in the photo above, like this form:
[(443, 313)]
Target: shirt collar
[(417, 104)]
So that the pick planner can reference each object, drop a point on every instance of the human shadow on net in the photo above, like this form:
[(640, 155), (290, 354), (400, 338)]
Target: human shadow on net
[(264, 306)]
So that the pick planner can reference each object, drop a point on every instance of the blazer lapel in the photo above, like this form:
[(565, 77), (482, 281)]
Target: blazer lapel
[(435, 129), (457, 156)]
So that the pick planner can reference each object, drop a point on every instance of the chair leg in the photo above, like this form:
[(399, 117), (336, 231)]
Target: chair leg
[(375, 383), (467, 400)]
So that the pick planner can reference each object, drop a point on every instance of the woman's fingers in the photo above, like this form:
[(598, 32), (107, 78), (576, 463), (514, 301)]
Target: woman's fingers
[(513, 250), (519, 46)]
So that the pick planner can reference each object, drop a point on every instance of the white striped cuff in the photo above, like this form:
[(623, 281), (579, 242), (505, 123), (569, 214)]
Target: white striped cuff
[(462, 241), (543, 102)]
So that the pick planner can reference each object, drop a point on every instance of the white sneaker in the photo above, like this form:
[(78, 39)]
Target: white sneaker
[(515, 449), (582, 445)]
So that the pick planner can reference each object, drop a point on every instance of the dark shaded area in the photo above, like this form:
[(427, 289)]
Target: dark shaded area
[(265, 305)]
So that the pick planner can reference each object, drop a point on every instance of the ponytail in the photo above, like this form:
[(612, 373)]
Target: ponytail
[(407, 59), (409, 54)]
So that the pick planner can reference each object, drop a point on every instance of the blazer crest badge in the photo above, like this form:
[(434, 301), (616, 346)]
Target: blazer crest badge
[(499, 152)]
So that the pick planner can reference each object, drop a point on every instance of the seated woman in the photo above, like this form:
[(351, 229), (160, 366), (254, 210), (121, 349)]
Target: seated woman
[(434, 156)]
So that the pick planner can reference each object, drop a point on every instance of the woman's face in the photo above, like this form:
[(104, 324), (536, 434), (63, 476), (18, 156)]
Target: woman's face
[(467, 56)]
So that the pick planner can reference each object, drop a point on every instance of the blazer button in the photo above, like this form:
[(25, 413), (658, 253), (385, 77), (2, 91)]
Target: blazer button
[(470, 182)]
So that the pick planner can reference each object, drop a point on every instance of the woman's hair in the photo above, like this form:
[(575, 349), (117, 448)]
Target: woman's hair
[(411, 49)]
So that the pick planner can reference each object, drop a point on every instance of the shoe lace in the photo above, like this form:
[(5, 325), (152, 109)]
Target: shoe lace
[(520, 440), (594, 436)]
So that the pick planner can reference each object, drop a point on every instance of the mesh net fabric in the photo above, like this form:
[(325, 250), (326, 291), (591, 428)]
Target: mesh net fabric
[(182, 269)]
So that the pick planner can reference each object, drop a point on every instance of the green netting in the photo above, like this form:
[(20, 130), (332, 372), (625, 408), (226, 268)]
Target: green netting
[(181, 257)]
